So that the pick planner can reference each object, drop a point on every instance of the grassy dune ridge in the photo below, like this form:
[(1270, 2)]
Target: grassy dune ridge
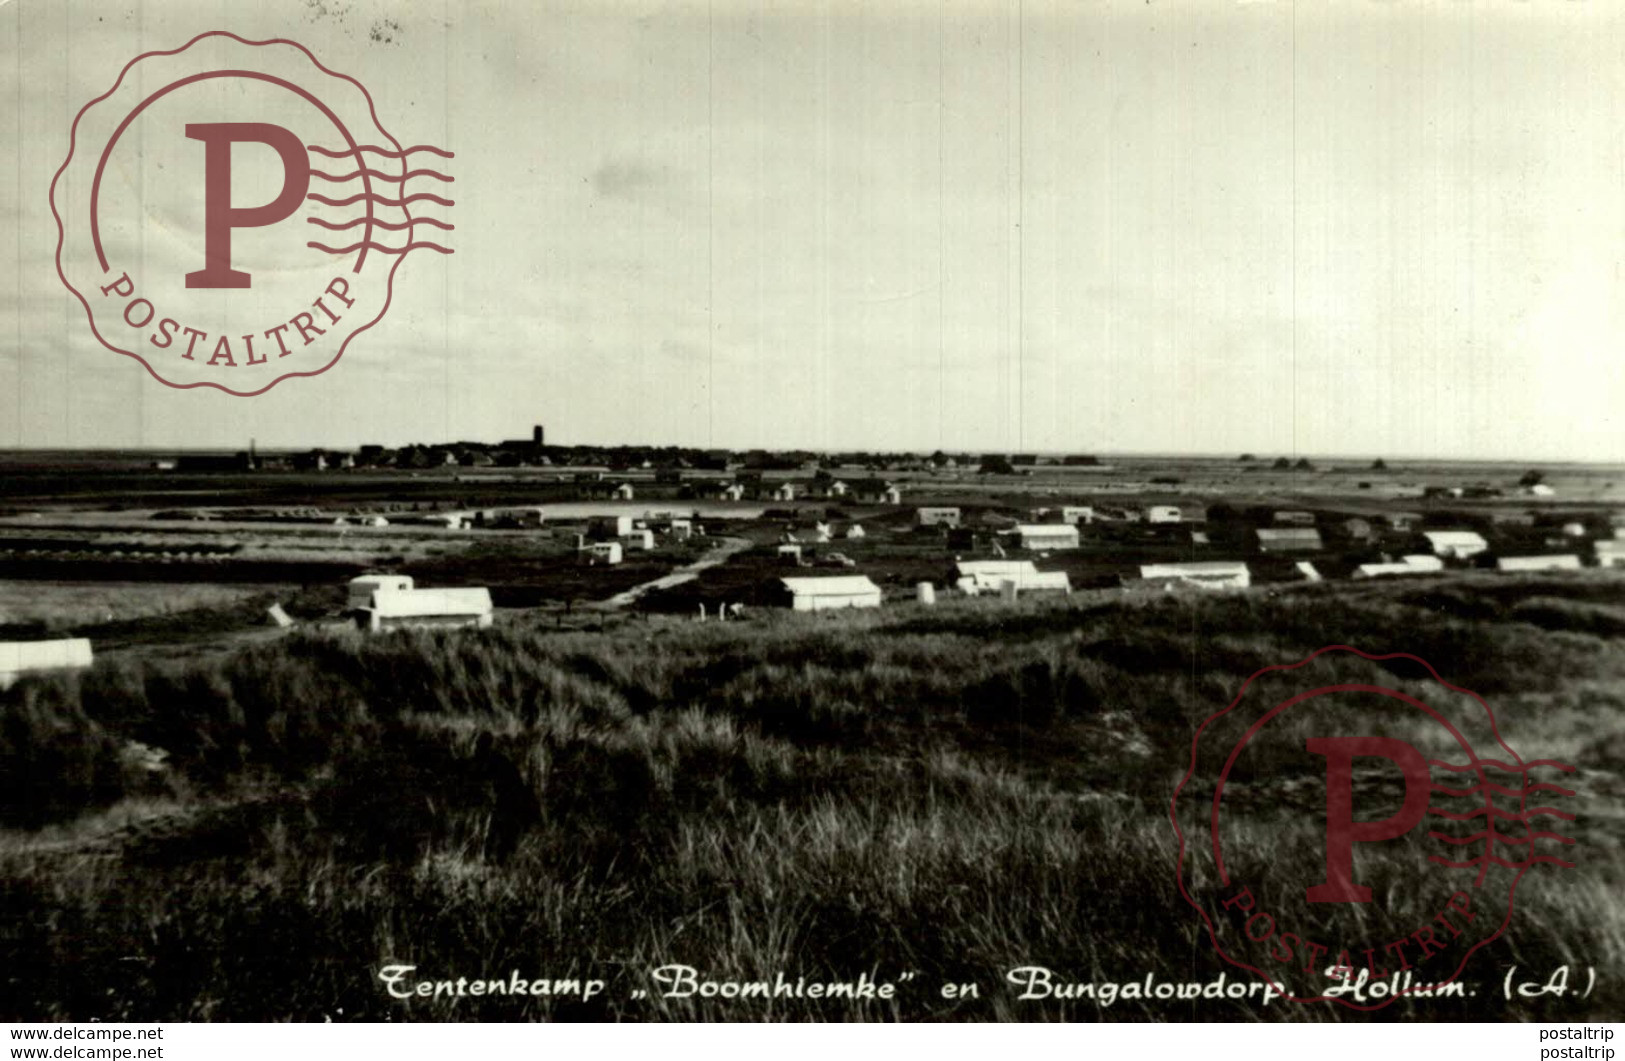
[(953, 791)]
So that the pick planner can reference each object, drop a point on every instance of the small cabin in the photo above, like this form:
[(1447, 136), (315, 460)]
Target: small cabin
[(1560, 562), (609, 526), (393, 609), (1207, 574), (813, 594), (18, 658), (1047, 536), (1456, 544), (363, 588), (1288, 539)]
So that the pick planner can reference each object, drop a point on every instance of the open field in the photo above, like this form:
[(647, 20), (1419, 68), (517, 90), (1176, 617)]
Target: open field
[(23, 604), (952, 791), (223, 819)]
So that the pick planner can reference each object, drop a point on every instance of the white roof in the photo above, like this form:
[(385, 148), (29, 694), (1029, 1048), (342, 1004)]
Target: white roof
[(1538, 563), (1025, 576), (1195, 569), (44, 655), (1410, 565), (382, 580), (1455, 537), (996, 567), (1046, 530), (831, 586), (407, 603), (1287, 533)]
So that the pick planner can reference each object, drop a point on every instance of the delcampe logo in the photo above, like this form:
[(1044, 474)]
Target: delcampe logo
[(231, 213), (1357, 841)]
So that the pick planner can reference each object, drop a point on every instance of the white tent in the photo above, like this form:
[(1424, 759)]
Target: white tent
[(837, 591), (429, 607), (29, 657), (1208, 574), (1538, 563)]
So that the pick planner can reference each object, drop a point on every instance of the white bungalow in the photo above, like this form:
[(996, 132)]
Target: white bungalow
[(427, 607), (603, 553), (609, 526), (1408, 565), (623, 492), (885, 494), (363, 588), (1044, 536), (1567, 562), (1288, 539), (855, 531), (1208, 574), (1456, 544), (784, 492), (1163, 514), (18, 658), (975, 577), (815, 594), (938, 516)]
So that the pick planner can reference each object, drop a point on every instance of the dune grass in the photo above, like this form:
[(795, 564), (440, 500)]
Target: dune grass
[(948, 792)]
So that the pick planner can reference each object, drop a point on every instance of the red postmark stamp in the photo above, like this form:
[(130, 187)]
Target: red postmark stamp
[(1353, 828), (231, 213)]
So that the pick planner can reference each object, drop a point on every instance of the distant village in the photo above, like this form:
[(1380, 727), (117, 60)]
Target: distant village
[(719, 534), (669, 463)]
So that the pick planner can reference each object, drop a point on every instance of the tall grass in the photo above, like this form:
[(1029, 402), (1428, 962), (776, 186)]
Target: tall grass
[(948, 792)]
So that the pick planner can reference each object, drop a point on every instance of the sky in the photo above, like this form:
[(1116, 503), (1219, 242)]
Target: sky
[(1346, 228)]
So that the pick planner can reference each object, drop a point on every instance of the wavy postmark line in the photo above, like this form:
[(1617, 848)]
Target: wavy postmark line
[(1495, 812), (61, 229), (402, 153), (1190, 773), (1487, 786), (379, 175), (1483, 860), (381, 249), (391, 226), (1487, 834), (379, 199), (1495, 764)]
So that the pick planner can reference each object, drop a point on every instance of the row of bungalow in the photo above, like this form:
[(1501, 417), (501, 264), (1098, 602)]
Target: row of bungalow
[(872, 492)]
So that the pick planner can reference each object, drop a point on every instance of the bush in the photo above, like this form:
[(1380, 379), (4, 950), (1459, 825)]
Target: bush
[(54, 760)]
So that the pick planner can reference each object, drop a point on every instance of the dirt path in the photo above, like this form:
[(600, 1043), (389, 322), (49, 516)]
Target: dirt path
[(726, 548)]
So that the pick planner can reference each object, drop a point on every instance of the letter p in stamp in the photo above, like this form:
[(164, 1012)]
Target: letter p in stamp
[(1388, 825)]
